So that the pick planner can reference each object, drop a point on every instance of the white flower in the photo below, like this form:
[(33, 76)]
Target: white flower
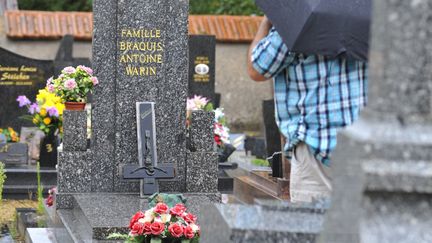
[(165, 218), (219, 114), (194, 227)]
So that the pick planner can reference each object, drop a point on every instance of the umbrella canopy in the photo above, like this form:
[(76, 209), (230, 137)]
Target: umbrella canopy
[(326, 27)]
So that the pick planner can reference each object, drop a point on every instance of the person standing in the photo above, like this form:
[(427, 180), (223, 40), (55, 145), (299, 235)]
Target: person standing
[(315, 96)]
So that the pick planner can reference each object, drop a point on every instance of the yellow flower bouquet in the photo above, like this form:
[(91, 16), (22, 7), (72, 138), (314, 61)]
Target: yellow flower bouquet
[(46, 113)]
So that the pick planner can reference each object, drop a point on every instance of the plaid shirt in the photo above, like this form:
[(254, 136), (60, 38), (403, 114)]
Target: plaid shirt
[(314, 95)]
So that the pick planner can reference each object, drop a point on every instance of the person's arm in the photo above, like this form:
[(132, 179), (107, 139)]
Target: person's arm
[(263, 31)]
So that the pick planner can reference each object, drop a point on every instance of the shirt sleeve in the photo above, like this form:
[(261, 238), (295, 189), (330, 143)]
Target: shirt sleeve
[(271, 55)]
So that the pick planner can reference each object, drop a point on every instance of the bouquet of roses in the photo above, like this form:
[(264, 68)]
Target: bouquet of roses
[(73, 84), (10, 134), (46, 113), (163, 224)]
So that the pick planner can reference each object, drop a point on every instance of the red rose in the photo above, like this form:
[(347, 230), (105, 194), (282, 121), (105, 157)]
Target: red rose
[(138, 228), (175, 230), (49, 201), (135, 219), (188, 232), (217, 139), (157, 228), (190, 218), (147, 228), (178, 210), (161, 208)]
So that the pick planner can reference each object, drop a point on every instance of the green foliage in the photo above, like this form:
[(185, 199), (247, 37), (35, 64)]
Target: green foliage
[(260, 162), (169, 199), (209, 107), (2, 179), (230, 7), (40, 208), (56, 5)]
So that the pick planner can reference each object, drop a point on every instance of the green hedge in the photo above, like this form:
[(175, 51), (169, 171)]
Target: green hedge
[(56, 5), (231, 7)]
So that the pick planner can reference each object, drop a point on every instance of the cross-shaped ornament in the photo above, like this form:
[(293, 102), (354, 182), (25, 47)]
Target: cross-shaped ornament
[(147, 171)]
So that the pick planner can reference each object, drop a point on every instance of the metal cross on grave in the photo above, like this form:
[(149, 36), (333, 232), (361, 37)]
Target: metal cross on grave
[(148, 170)]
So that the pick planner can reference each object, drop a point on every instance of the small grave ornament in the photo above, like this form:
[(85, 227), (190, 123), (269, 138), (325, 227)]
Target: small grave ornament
[(148, 170)]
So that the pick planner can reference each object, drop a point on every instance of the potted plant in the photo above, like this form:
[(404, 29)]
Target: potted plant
[(73, 85)]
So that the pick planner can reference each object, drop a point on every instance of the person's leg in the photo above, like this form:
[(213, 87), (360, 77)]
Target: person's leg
[(309, 177)]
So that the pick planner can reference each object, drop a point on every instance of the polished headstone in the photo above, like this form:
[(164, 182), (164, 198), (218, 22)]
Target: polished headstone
[(202, 66), (163, 81), (20, 75)]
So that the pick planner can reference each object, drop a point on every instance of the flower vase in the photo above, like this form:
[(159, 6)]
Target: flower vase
[(225, 152), (75, 106), (48, 151)]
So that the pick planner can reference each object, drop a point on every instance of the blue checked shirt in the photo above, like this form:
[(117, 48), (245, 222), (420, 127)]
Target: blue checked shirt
[(315, 96)]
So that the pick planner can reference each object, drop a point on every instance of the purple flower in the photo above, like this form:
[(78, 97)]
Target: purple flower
[(23, 101), (69, 70), (94, 80), (52, 111), (34, 108), (86, 69), (70, 84)]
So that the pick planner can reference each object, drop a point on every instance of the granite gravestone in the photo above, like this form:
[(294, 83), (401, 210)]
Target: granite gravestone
[(382, 166), (143, 59), (202, 66)]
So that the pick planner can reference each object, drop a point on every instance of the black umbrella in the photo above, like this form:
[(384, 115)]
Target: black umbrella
[(325, 27)]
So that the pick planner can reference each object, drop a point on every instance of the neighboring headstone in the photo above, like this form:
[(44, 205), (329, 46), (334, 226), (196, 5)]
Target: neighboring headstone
[(382, 165), (19, 76), (271, 130), (202, 66), (65, 58), (33, 137), (14, 153)]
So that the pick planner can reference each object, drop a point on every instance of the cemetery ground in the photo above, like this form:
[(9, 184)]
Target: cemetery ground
[(8, 217)]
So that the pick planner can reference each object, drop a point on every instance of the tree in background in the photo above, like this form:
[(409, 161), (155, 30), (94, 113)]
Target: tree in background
[(230, 7), (56, 5)]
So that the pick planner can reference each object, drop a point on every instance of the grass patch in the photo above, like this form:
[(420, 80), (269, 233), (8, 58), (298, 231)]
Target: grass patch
[(7, 209), (260, 162)]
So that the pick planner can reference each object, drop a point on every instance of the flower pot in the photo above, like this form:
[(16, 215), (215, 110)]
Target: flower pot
[(75, 106), (48, 151)]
